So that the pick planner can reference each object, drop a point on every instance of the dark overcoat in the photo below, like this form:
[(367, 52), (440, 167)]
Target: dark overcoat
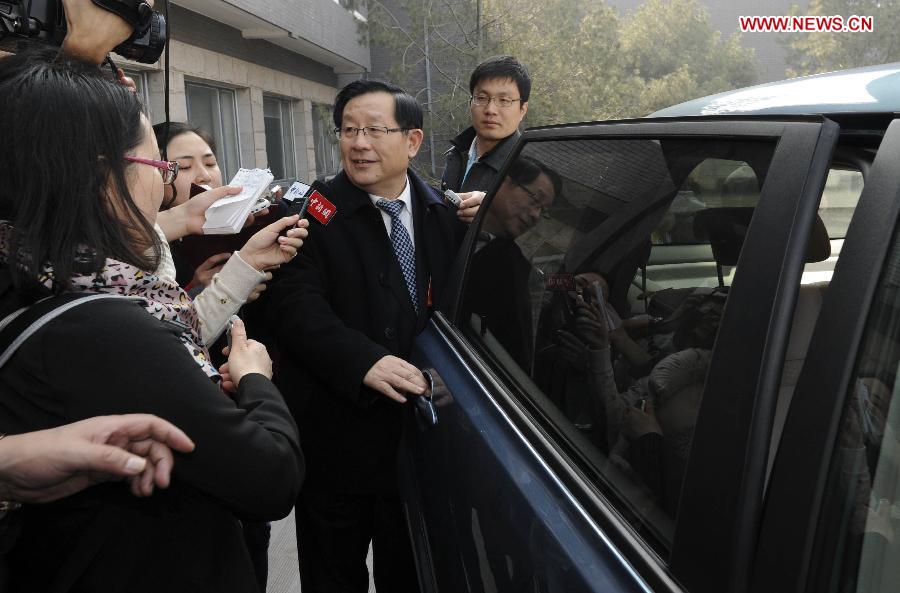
[(336, 309)]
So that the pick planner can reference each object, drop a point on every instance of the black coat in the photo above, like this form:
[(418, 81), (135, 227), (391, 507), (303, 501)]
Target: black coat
[(484, 170), (339, 307), (112, 357), (497, 290)]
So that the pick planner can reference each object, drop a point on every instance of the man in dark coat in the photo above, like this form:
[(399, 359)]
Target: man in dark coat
[(345, 313), (498, 266), (500, 87)]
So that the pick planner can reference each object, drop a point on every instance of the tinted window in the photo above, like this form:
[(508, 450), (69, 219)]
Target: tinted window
[(600, 273), (860, 524), (842, 190)]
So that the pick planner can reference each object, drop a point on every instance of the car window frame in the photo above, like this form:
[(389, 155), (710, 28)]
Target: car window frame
[(788, 201), (796, 487)]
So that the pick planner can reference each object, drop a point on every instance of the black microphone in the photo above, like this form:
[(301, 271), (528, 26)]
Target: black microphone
[(300, 205)]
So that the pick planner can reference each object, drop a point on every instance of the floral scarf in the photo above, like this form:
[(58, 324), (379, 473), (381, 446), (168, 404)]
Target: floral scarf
[(162, 298)]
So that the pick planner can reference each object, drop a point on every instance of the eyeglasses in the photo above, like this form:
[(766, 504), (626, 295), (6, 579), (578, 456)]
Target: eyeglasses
[(372, 132), (485, 100), (534, 199), (168, 169)]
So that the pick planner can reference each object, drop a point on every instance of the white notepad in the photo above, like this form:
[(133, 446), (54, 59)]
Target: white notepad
[(228, 215)]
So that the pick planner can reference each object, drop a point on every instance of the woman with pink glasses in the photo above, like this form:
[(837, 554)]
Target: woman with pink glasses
[(225, 281), (80, 194)]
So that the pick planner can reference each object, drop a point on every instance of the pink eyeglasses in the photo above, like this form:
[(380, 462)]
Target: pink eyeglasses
[(168, 169)]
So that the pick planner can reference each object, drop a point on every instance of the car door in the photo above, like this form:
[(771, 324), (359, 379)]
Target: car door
[(581, 433), (833, 500)]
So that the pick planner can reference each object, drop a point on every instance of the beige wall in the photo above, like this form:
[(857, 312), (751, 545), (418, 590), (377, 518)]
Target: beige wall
[(251, 82)]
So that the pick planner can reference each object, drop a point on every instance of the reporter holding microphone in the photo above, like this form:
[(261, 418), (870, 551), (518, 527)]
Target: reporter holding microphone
[(81, 197)]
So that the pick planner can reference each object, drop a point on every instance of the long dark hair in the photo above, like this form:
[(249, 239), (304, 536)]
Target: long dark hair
[(65, 128)]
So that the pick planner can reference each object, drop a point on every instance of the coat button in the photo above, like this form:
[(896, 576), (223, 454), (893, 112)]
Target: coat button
[(390, 333)]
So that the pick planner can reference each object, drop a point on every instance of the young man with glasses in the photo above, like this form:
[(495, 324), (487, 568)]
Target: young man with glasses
[(500, 87), (344, 314)]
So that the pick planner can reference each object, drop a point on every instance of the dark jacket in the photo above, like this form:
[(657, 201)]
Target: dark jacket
[(484, 170), (498, 292), (339, 307), (112, 357)]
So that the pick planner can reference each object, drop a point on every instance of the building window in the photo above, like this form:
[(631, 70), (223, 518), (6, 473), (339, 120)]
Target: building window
[(213, 109), (328, 156), (141, 86), (280, 138)]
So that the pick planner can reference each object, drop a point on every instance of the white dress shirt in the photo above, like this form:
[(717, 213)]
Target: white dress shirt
[(405, 213)]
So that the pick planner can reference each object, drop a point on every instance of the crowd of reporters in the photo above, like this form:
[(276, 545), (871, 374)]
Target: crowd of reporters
[(139, 458)]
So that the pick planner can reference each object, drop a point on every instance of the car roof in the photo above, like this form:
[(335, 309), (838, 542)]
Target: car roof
[(869, 90)]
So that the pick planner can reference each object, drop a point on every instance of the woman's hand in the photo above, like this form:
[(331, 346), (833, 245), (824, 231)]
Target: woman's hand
[(259, 288), (244, 357), (126, 81), (572, 349), (640, 422), (204, 273), (188, 218), (590, 324), (267, 249), (51, 464)]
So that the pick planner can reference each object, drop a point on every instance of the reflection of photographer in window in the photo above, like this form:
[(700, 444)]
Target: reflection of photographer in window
[(595, 289), (499, 273), (652, 423), (561, 374)]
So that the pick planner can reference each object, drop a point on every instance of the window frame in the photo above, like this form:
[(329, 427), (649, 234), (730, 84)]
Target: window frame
[(285, 107), (143, 91), (796, 487), (602, 512), (224, 165), (327, 135), (787, 208)]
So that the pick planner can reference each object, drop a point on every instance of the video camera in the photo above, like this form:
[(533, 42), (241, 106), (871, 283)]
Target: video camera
[(45, 19)]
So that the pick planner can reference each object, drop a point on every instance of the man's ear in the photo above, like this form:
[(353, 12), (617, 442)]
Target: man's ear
[(524, 105), (414, 141)]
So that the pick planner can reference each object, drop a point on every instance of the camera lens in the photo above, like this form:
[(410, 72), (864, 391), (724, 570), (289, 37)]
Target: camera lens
[(148, 47)]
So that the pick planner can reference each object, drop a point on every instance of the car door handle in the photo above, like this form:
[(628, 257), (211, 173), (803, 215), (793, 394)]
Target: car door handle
[(425, 403)]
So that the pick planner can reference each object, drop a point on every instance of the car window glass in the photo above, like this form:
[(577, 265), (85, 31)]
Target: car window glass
[(595, 290), (842, 190), (714, 183), (859, 532), (839, 198)]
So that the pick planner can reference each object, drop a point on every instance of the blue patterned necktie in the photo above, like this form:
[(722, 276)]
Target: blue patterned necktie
[(403, 247)]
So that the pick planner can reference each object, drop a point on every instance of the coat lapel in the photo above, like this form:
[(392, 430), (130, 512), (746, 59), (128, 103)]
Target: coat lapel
[(371, 241), (431, 242), (368, 232)]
